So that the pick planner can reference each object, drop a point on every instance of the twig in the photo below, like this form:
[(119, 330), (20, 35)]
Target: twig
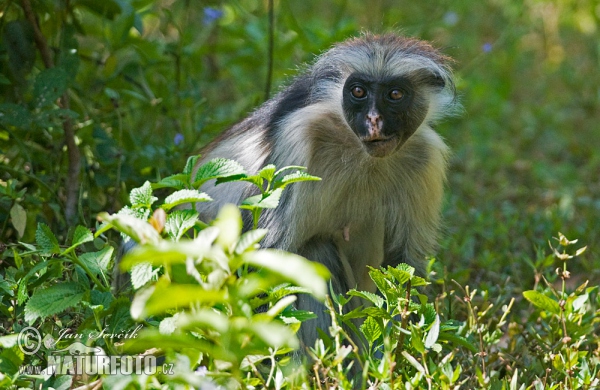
[(72, 181), (404, 324)]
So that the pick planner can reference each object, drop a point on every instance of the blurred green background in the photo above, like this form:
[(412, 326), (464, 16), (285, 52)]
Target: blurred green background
[(150, 82)]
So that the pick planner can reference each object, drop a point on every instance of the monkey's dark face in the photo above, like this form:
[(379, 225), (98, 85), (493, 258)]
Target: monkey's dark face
[(382, 112)]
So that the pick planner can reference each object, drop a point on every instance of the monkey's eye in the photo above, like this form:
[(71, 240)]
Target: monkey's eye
[(396, 94), (358, 92)]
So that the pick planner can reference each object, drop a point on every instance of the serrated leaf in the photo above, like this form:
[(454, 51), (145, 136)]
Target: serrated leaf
[(542, 301), (401, 275), (375, 299), (433, 334), (217, 168), (293, 268), (141, 274), (295, 177), (81, 236), (185, 196), (142, 196), (248, 240), (52, 300), (190, 164), (97, 262), (267, 172), (417, 281), (18, 217), (46, 240), (49, 85), (178, 182), (140, 231), (370, 328), (179, 222), (270, 201)]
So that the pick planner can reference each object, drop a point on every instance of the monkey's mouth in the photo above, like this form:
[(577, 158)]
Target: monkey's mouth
[(380, 146)]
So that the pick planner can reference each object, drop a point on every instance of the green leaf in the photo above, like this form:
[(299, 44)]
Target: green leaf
[(274, 334), (18, 217), (54, 299), (141, 274), (295, 178), (417, 281), (217, 168), (185, 196), (291, 267), (163, 297), (370, 328), (229, 223), (97, 262), (49, 85), (190, 164), (248, 240), (413, 362), (179, 182), (105, 8), (542, 301), (267, 172), (270, 201), (46, 240), (433, 334), (375, 299), (179, 222), (401, 275), (80, 236), (15, 115), (142, 196), (140, 231)]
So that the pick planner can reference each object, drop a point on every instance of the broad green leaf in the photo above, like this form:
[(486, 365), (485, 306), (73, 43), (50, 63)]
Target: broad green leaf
[(401, 275), (291, 267), (542, 301), (141, 273), (178, 182), (49, 85), (217, 168), (417, 281), (295, 178), (248, 240), (270, 201), (274, 334), (106, 8), (46, 240), (179, 222), (142, 196), (97, 262), (375, 299), (185, 196), (15, 115), (370, 328), (229, 223), (458, 340), (82, 235), (267, 172), (52, 300), (18, 216), (168, 252), (163, 297), (433, 334), (140, 231)]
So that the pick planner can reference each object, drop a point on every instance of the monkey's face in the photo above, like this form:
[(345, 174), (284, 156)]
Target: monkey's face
[(383, 112)]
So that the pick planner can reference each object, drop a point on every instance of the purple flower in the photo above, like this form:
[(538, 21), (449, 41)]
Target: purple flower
[(487, 47), (178, 138), (211, 14)]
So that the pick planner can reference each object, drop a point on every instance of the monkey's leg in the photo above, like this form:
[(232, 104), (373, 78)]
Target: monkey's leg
[(323, 251)]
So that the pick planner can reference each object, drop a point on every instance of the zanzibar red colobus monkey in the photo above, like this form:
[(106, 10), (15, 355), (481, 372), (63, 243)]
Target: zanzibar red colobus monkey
[(360, 118)]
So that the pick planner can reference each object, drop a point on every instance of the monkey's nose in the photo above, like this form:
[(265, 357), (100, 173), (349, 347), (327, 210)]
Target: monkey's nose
[(374, 123)]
